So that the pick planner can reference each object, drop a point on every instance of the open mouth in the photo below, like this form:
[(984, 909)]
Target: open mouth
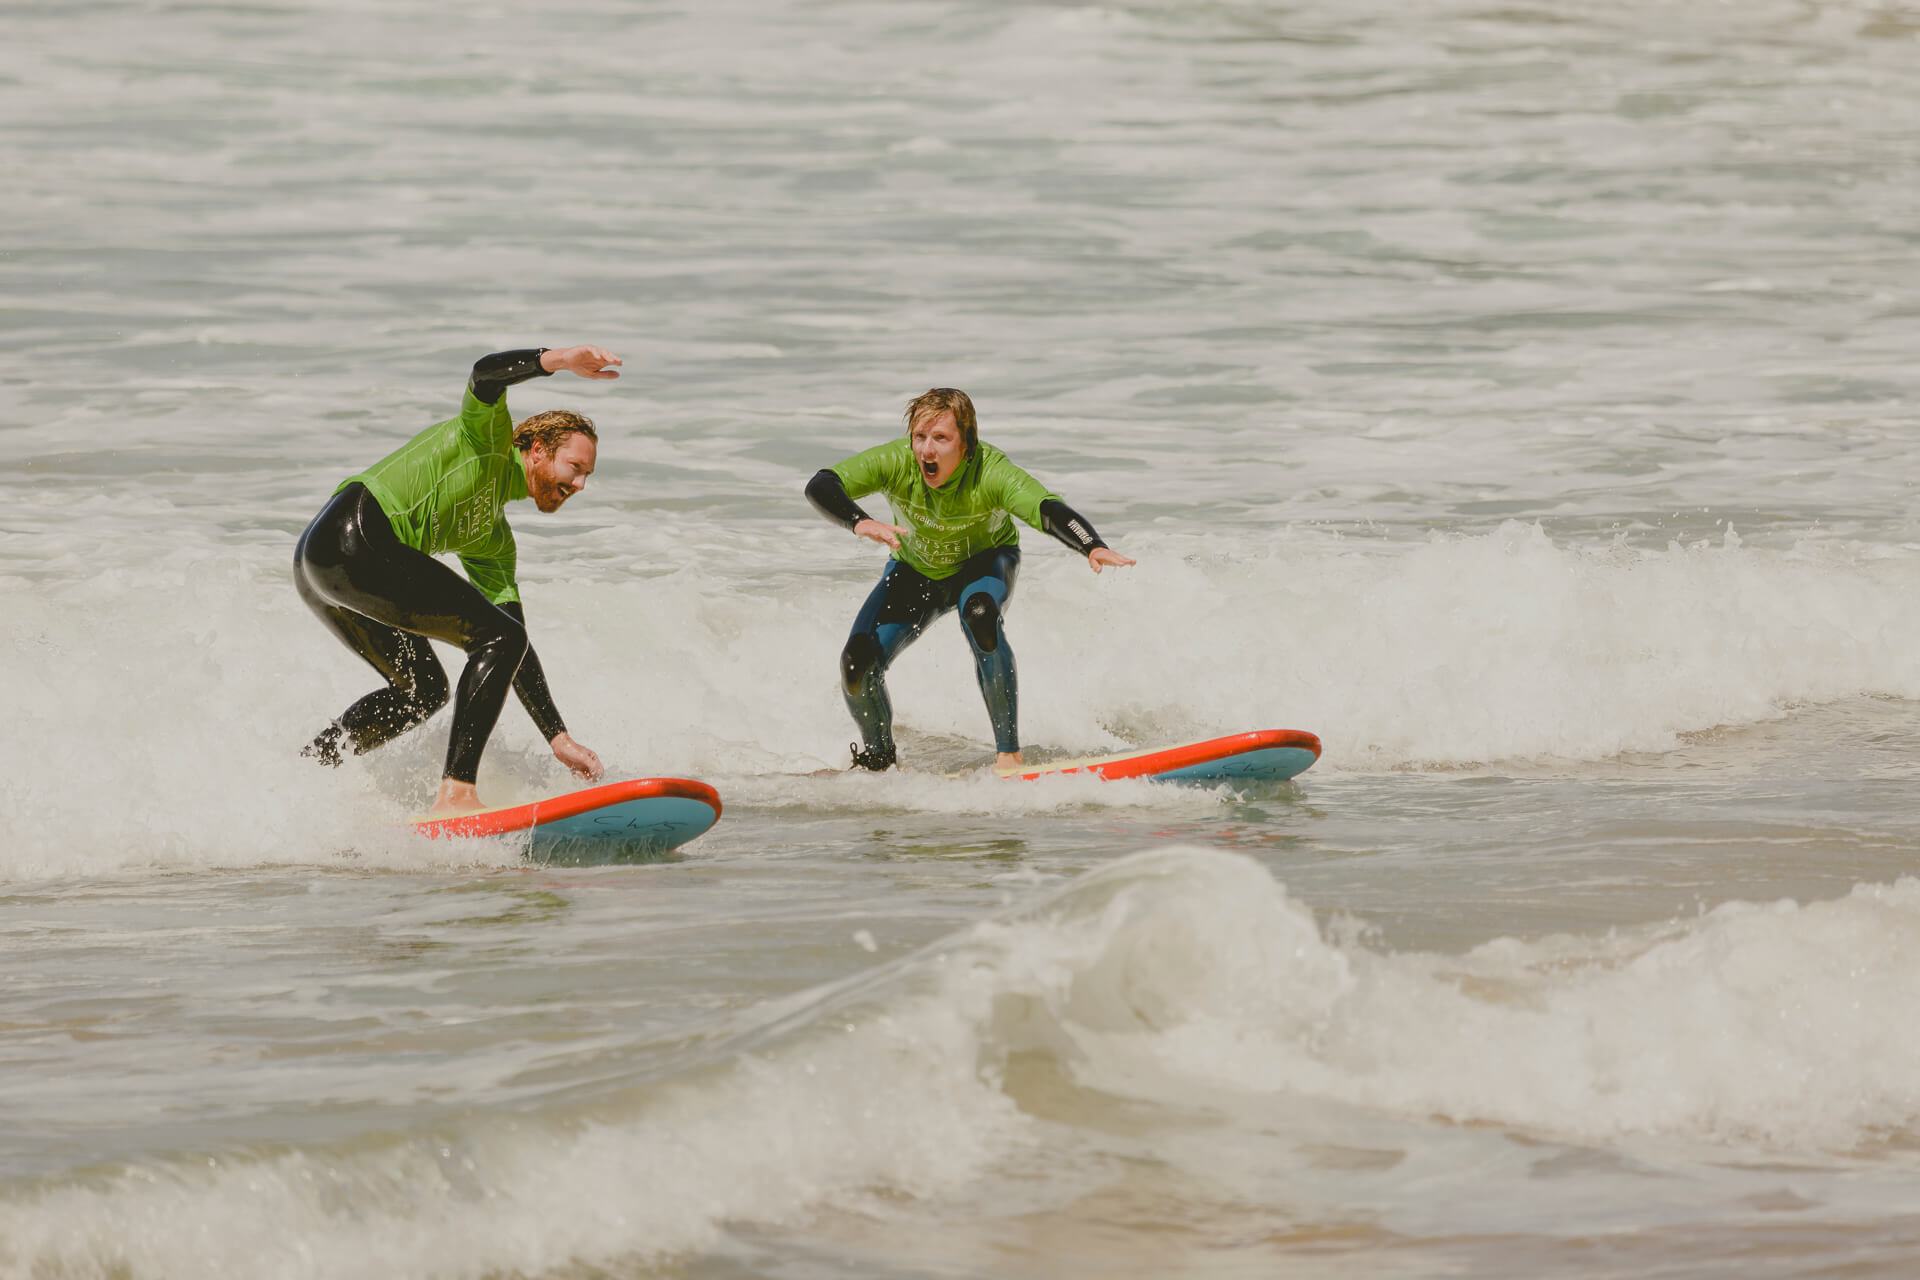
[(929, 466)]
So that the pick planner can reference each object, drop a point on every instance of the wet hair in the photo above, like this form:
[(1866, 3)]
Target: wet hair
[(932, 403), (552, 429)]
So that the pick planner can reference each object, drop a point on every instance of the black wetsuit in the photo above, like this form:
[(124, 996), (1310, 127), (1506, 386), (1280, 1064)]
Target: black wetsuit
[(385, 599)]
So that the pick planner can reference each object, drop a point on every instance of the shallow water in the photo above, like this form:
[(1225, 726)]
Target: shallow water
[(1515, 397)]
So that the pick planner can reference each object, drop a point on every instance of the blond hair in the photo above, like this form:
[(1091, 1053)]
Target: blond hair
[(942, 400), (552, 429)]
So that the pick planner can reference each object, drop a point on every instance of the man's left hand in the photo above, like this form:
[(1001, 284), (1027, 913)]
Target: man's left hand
[(1105, 555), (587, 361)]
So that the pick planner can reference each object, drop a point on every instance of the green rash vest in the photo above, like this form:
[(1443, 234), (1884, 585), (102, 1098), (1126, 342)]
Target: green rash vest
[(963, 517), (444, 490)]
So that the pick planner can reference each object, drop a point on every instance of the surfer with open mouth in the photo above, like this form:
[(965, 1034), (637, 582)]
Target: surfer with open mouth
[(955, 547), (366, 568)]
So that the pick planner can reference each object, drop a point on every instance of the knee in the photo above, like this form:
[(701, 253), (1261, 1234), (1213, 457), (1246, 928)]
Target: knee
[(504, 636), (860, 659), (982, 618)]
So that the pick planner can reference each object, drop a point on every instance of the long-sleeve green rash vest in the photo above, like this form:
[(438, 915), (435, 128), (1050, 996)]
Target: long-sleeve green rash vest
[(445, 490), (964, 516)]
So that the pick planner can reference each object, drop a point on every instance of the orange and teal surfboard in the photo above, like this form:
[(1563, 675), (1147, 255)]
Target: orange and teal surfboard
[(1263, 755), (628, 821)]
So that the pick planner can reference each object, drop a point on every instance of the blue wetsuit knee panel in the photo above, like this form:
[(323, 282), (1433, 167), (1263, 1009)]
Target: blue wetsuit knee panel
[(982, 618), (858, 660)]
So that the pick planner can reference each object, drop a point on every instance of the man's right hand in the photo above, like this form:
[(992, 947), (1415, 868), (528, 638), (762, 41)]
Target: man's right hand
[(587, 361), (885, 534), (584, 763)]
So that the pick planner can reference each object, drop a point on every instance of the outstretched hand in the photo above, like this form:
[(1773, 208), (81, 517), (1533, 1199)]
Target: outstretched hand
[(587, 361), (1105, 555), (886, 534), (583, 762)]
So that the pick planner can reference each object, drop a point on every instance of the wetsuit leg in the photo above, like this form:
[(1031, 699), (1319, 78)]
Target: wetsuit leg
[(986, 586), (384, 600), (896, 611)]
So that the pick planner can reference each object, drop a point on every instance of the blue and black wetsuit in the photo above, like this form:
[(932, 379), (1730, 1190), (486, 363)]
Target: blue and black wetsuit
[(898, 609), (961, 552)]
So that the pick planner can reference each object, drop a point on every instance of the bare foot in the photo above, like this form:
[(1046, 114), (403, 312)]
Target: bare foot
[(456, 797), (1005, 760)]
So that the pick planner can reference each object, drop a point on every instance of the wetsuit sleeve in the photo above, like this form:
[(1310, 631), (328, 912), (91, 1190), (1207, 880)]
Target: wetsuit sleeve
[(492, 568), (493, 374), (530, 682), (1061, 521), (1013, 490), (829, 497)]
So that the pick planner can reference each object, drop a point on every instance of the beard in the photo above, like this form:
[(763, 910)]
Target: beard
[(548, 496)]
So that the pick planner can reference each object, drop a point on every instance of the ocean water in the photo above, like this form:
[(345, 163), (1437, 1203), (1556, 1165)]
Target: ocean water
[(1518, 396)]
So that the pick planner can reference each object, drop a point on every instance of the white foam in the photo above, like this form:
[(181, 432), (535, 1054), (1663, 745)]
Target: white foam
[(1181, 979), (1184, 976), (161, 705), (1458, 649), (891, 1099), (1499, 646)]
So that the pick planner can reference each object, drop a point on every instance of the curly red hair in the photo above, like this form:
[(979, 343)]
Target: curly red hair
[(552, 429)]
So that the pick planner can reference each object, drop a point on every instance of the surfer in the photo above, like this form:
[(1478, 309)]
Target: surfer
[(366, 568), (955, 548)]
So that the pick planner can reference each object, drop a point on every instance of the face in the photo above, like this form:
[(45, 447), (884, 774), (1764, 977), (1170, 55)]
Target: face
[(937, 447), (555, 475)]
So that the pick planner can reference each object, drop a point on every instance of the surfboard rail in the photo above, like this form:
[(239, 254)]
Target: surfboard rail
[(1208, 760)]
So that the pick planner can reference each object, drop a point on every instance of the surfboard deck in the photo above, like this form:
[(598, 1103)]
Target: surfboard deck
[(628, 821), (1262, 755)]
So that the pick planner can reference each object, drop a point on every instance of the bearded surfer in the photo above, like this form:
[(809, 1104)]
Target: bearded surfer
[(366, 568)]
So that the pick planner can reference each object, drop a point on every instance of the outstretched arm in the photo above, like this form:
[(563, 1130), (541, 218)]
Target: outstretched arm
[(493, 374), (1064, 523), (530, 682)]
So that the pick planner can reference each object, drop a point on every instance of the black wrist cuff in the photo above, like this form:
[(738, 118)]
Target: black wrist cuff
[(1061, 521)]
